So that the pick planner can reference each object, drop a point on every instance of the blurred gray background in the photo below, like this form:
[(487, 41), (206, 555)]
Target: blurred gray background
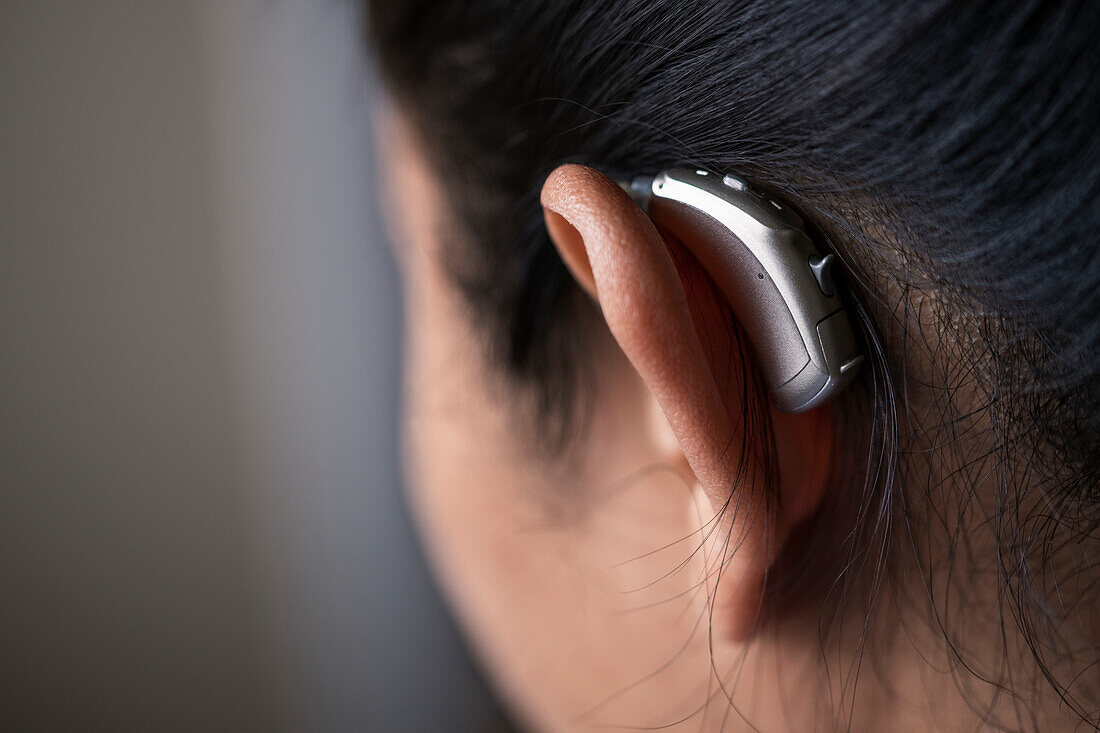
[(201, 525)]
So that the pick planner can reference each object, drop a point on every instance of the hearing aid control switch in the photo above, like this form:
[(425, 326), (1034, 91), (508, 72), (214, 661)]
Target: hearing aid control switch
[(734, 182), (822, 268)]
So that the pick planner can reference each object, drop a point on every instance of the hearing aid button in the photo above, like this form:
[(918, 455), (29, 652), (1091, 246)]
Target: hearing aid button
[(822, 268), (850, 365), (734, 182)]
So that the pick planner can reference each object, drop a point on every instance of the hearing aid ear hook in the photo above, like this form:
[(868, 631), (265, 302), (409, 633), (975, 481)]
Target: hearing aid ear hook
[(780, 288)]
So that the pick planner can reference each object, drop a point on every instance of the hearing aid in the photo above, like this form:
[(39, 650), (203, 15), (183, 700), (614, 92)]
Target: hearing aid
[(781, 289)]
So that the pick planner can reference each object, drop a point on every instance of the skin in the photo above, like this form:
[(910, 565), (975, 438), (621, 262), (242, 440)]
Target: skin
[(589, 584)]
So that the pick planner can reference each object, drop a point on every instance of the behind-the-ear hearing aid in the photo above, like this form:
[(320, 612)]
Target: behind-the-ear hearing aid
[(780, 288)]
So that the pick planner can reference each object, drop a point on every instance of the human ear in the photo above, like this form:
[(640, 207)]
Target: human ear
[(674, 326)]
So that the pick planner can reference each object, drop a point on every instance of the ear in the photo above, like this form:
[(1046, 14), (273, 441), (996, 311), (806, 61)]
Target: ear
[(674, 327)]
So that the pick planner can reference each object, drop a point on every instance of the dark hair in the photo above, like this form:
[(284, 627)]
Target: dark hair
[(947, 150)]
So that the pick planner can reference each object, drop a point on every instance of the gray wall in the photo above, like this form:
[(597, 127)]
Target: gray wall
[(201, 526)]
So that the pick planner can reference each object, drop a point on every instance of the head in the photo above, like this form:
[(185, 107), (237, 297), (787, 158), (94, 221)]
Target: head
[(629, 530)]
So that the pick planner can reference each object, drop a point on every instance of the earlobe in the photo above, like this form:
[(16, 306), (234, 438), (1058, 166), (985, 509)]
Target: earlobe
[(674, 327)]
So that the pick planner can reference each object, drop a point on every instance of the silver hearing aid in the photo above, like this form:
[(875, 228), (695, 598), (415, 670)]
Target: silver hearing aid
[(777, 283)]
